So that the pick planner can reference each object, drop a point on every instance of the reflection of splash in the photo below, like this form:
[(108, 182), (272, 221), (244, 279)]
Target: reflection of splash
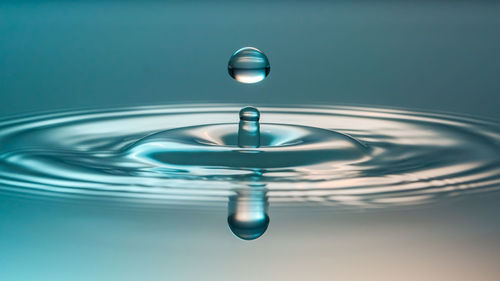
[(247, 213), (372, 157)]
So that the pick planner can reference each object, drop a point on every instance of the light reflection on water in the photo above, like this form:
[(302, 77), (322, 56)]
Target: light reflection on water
[(397, 158), (339, 156)]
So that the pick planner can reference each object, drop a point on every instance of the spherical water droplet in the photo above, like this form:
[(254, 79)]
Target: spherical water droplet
[(248, 65)]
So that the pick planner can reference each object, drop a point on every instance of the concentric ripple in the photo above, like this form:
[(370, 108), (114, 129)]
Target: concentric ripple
[(212, 149), (186, 154)]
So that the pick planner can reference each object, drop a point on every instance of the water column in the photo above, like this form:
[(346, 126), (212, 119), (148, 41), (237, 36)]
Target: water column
[(247, 209), (249, 128)]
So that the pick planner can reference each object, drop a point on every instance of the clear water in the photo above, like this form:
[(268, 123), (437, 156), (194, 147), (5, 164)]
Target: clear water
[(427, 55), (249, 127), (340, 157), (248, 65)]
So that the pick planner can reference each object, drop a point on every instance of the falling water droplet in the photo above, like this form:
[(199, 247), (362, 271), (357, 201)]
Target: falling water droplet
[(249, 127), (248, 65)]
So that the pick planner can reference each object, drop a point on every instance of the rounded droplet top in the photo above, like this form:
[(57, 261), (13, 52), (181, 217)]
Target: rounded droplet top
[(249, 113), (249, 65)]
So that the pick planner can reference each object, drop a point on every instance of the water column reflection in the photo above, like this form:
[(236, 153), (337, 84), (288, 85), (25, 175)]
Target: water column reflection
[(248, 215)]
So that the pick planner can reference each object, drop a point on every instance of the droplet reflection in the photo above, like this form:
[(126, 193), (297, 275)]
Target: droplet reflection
[(247, 213)]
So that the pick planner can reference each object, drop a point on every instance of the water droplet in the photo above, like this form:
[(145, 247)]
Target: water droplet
[(247, 213), (248, 65), (249, 127), (249, 113)]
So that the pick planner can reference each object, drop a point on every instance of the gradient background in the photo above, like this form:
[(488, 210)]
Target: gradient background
[(430, 55)]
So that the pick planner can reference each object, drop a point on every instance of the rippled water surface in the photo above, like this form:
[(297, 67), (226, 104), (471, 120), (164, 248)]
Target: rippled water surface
[(339, 156)]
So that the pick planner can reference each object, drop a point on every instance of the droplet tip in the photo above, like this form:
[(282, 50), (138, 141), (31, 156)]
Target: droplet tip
[(249, 113)]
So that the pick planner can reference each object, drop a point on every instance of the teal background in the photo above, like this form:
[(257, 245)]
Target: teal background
[(429, 55), (436, 55)]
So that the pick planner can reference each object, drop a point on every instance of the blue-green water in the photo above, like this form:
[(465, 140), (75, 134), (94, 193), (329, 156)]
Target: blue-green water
[(433, 56), (147, 161)]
